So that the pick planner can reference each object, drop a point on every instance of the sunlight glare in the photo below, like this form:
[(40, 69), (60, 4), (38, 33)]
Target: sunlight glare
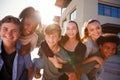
[(46, 8)]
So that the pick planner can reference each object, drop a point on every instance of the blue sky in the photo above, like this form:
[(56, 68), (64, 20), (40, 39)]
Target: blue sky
[(46, 8)]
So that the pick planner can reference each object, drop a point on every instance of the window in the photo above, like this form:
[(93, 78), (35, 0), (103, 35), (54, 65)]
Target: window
[(107, 10), (73, 15), (118, 13), (100, 9), (114, 12)]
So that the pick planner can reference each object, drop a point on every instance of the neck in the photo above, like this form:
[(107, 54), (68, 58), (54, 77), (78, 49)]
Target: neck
[(9, 48), (72, 40), (55, 48)]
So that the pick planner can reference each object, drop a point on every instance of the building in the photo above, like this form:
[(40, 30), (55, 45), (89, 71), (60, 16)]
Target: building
[(106, 11)]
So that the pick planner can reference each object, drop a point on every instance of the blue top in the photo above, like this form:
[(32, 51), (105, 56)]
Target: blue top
[(20, 63), (111, 69)]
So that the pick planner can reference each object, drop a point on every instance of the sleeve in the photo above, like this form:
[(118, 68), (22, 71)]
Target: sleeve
[(38, 62), (39, 52), (28, 61), (88, 67), (88, 50)]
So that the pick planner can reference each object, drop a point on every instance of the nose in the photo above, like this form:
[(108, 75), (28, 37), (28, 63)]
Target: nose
[(9, 33), (51, 38)]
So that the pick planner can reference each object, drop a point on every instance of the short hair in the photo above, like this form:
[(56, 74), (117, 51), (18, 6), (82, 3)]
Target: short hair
[(53, 28), (108, 38), (10, 19)]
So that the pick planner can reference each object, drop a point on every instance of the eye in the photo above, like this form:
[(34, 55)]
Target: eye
[(15, 31), (67, 28), (98, 27), (4, 29)]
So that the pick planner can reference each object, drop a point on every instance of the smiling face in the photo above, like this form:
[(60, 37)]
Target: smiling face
[(52, 39), (94, 30), (9, 33), (71, 30), (52, 35), (108, 49), (29, 26)]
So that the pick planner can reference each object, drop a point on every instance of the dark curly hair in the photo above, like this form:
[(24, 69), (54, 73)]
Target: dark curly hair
[(108, 38)]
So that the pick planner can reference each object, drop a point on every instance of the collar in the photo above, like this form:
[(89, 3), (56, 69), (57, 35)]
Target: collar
[(18, 45)]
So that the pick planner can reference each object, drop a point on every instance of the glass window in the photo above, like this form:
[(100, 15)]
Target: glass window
[(100, 9), (107, 10), (73, 15), (119, 13), (113, 12)]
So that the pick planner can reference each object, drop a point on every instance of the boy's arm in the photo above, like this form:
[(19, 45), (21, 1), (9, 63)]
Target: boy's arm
[(28, 65), (25, 49), (99, 60), (38, 64), (30, 71), (55, 62)]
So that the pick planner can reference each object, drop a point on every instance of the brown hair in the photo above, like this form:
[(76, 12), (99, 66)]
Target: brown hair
[(65, 38), (30, 12), (10, 19), (85, 30)]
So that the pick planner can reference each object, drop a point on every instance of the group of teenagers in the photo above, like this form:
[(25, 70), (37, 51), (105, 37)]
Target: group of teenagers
[(62, 57)]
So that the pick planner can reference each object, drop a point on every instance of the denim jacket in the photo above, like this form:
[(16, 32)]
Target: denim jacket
[(20, 63)]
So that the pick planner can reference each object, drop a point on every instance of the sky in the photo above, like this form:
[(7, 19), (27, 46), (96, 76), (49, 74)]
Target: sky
[(46, 8)]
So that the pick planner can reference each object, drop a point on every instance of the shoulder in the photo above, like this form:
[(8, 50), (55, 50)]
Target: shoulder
[(114, 58), (89, 41), (111, 68), (91, 44), (63, 54), (81, 46)]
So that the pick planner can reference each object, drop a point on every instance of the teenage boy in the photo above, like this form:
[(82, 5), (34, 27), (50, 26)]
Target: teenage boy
[(52, 63), (12, 64), (107, 48)]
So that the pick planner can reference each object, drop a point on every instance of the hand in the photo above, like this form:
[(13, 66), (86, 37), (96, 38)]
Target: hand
[(25, 49), (99, 60), (61, 61), (55, 62), (72, 76), (97, 66), (37, 75)]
